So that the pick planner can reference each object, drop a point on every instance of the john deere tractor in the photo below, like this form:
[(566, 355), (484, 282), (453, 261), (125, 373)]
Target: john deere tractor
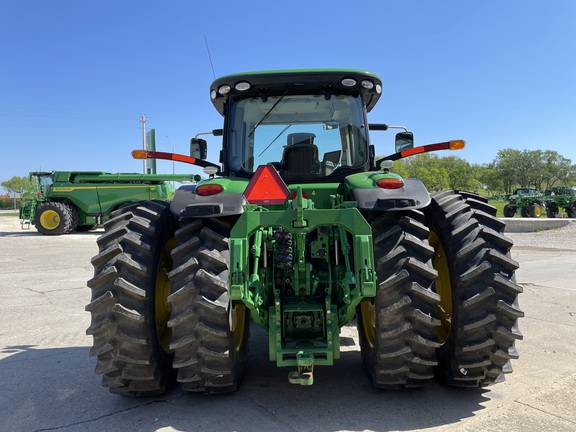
[(558, 198), (301, 229), (529, 202)]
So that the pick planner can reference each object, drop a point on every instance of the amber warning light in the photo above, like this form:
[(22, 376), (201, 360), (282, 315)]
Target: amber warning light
[(266, 187), (448, 145), (144, 154)]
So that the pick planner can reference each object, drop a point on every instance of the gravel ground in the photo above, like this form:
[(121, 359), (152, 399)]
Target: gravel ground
[(562, 239)]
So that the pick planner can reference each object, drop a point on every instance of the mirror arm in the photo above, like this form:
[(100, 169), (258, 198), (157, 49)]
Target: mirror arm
[(448, 145), (384, 127), (215, 132)]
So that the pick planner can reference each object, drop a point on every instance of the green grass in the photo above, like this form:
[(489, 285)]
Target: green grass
[(496, 203), (499, 207), (10, 214)]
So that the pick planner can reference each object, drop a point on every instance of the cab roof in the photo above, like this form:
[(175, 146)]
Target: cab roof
[(295, 82)]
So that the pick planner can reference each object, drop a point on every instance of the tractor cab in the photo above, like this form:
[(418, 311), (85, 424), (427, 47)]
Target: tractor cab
[(44, 182), (311, 126)]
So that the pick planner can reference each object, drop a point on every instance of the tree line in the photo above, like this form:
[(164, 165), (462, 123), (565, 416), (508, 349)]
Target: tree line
[(510, 169)]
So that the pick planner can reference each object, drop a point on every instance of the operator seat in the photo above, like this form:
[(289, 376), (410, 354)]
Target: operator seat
[(300, 157)]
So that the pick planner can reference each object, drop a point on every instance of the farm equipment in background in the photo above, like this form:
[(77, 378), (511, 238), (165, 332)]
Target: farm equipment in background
[(302, 230), (528, 202), (80, 200), (560, 198)]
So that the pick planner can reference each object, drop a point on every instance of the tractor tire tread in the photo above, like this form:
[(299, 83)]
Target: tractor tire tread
[(128, 356)]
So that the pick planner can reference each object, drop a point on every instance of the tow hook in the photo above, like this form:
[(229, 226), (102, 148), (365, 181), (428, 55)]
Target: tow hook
[(305, 373)]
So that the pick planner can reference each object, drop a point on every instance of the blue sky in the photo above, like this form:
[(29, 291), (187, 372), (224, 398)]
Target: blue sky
[(75, 75)]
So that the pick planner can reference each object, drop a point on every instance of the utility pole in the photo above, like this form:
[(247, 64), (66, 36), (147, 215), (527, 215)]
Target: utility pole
[(173, 166), (143, 121)]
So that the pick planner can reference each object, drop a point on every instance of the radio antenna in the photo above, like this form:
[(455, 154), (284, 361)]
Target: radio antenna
[(209, 56)]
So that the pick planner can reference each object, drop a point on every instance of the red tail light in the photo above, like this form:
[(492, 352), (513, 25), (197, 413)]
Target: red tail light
[(209, 189), (389, 183)]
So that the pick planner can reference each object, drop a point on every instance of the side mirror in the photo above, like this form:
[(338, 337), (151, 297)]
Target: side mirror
[(198, 148), (330, 125), (404, 141)]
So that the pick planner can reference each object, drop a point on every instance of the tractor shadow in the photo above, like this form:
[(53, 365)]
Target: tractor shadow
[(33, 233), (56, 388)]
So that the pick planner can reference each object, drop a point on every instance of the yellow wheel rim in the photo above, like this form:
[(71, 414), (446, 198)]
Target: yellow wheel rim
[(368, 312), (537, 211), (238, 325), (50, 219), (443, 287), (162, 291)]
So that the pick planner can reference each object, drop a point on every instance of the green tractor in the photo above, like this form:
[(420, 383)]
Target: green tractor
[(558, 198), (301, 230), (526, 201), (80, 200)]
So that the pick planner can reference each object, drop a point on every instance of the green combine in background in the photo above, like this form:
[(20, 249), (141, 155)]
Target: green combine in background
[(80, 200)]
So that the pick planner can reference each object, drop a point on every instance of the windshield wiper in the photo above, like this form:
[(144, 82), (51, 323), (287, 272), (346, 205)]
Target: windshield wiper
[(269, 111), (274, 140)]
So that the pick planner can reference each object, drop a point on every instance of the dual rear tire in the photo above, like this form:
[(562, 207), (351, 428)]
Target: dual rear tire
[(470, 317), (160, 310)]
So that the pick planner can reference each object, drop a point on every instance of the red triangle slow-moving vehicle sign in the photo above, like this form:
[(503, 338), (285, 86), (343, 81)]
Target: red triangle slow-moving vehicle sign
[(266, 187)]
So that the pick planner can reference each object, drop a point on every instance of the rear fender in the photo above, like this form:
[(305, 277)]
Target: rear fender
[(413, 195), (186, 203)]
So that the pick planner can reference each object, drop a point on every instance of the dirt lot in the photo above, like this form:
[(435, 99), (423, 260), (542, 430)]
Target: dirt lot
[(47, 381)]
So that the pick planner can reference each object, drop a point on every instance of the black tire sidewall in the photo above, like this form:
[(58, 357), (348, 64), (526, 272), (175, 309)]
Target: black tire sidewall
[(64, 213)]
